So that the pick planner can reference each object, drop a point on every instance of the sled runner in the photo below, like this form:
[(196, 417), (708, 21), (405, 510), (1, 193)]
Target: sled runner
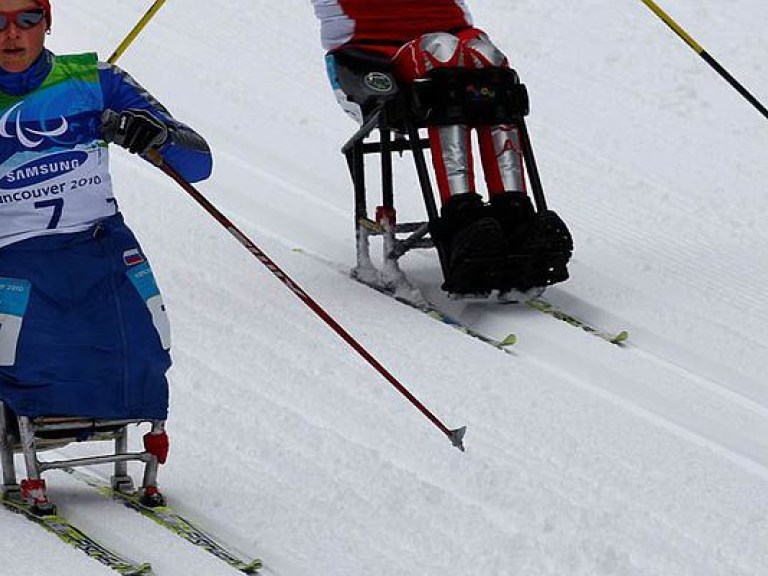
[(29, 436), (537, 244)]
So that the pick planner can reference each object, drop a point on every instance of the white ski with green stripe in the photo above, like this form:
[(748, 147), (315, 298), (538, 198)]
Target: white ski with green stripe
[(171, 520), (77, 538), (618, 338)]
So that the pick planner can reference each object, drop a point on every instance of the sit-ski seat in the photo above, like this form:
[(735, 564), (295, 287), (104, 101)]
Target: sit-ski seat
[(28, 436), (445, 96)]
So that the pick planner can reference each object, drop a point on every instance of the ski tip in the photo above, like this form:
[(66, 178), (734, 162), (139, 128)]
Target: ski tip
[(620, 338), (140, 570), (252, 567), (509, 340), (457, 437)]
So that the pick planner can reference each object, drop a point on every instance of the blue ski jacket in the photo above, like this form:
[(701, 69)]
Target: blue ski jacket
[(83, 327)]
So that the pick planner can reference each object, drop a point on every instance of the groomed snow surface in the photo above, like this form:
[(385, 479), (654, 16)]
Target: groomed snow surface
[(583, 459)]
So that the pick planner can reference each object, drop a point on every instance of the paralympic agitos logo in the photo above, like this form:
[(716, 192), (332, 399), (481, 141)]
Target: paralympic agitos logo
[(40, 169), (27, 137)]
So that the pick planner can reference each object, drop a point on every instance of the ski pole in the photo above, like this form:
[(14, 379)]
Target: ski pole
[(455, 436), (705, 56), (128, 40)]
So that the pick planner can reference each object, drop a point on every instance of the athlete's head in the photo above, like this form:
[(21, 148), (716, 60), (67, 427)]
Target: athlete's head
[(23, 24), (46, 5)]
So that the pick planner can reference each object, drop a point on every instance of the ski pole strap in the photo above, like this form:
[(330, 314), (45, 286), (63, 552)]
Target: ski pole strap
[(735, 84), (128, 40)]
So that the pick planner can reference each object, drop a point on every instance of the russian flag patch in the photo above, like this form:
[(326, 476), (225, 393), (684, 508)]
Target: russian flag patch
[(132, 257)]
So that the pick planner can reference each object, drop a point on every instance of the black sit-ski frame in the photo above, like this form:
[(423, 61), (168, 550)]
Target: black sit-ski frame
[(440, 99)]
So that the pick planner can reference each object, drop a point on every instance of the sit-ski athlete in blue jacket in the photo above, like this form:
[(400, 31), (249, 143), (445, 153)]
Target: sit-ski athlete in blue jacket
[(83, 328)]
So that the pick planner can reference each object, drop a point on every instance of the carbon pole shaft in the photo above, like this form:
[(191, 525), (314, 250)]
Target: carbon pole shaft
[(455, 436), (677, 29)]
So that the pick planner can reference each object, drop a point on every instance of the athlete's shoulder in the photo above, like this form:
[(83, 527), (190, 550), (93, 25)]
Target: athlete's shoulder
[(80, 58)]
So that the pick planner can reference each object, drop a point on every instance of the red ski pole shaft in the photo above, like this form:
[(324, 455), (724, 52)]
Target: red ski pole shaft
[(455, 436)]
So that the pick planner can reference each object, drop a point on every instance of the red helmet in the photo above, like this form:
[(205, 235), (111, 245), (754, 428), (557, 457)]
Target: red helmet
[(46, 5)]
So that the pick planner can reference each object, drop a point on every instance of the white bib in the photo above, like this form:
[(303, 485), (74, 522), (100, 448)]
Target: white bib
[(60, 192)]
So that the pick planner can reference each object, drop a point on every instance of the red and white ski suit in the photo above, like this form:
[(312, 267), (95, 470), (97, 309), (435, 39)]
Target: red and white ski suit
[(420, 35), (387, 22)]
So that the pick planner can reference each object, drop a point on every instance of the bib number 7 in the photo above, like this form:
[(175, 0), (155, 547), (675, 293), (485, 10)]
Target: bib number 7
[(58, 206)]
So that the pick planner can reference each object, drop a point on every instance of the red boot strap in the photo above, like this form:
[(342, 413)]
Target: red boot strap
[(157, 445), (34, 488), (386, 215)]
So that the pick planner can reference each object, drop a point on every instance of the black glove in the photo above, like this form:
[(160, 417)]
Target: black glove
[(137, 130)]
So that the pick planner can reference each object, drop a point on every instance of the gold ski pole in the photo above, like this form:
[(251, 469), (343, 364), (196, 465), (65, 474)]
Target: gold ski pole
[(705, 56), (136, 31)]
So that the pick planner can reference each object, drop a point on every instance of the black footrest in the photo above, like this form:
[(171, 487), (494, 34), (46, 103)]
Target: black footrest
[(504, 273)]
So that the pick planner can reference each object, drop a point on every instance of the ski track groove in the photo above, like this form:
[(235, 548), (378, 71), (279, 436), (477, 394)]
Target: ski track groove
[(236, 382), (468, 500), (681, 430), (294, 419), (734, 398), (706, 383)]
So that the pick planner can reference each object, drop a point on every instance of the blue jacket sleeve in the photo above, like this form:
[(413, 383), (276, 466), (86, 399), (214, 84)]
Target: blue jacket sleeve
[(185, 150)]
